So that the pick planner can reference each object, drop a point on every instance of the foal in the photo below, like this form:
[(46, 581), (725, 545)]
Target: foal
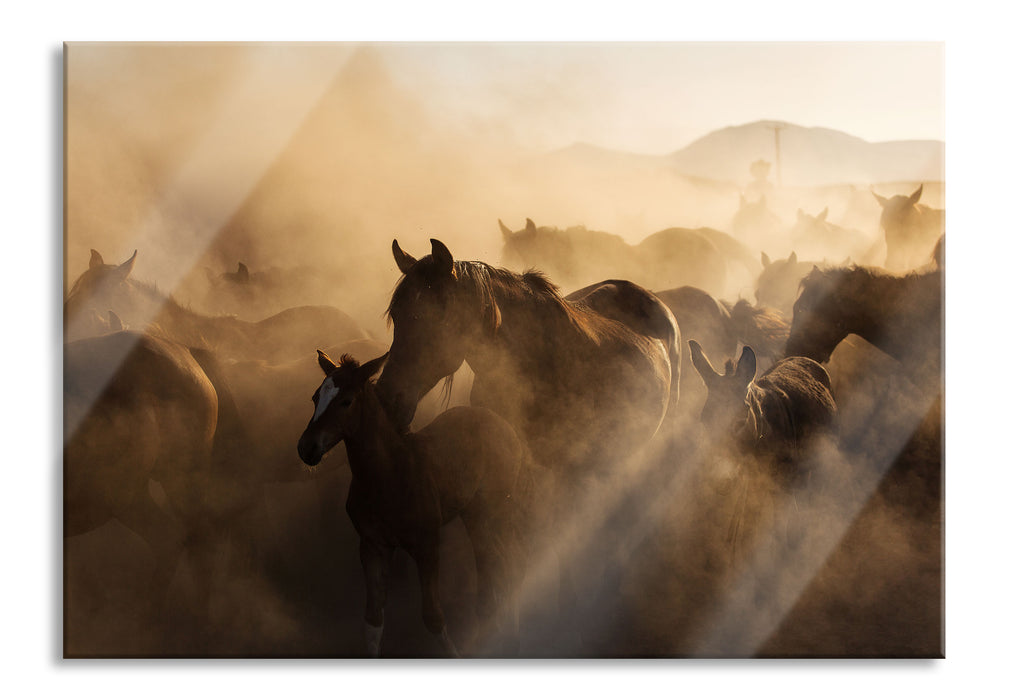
[(467, 462)]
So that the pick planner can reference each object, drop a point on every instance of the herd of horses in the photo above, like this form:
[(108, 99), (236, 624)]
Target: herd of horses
[(582, 413)]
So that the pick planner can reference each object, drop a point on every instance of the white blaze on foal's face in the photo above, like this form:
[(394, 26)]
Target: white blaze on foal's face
[(327, 392)]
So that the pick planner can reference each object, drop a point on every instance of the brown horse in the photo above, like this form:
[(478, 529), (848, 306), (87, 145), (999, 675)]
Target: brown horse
[(815, 237), (583, 387), (142, 307), (137, 409), (778, 283), (585, 390), (576, 256), (468, 463), (902, 316), (911, 229), (703, 318), (774, 416)]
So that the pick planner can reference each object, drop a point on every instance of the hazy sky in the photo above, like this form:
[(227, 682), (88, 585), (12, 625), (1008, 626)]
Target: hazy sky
[(656, 98)]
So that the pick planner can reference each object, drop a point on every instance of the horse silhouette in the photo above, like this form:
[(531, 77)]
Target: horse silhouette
[(585, 390), (774, 416), (754, 221), (468, 463), (575, 257), (910, 229), (778, 283), (815, 237), (142, 307), (553, 367), (704, 319), (901, 315), (139, 409)]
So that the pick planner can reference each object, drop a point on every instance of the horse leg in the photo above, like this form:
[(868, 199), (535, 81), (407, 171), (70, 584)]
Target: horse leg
[(164, 536), (490, 570), (426, 555), (375, 559)]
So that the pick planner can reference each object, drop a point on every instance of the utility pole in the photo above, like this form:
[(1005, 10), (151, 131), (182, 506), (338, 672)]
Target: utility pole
[(777, 148)]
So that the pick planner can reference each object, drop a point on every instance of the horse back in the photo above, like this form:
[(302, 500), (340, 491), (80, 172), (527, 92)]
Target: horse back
[(135, 408), (792, 400)]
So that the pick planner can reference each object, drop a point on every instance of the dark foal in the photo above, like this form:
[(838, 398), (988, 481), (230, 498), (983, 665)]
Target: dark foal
[(468, 462)]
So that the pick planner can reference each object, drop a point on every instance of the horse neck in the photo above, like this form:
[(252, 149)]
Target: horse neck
[(188, 326), (887, 305), (377, 452)]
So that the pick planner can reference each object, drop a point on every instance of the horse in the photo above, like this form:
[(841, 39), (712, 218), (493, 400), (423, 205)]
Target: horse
[(143, 308), (468, 463), (703, 318), (577, 256), (909, 228), (900, 315), (814, 236), (762, 328), (581, 386), (778, 283), (584, 390), (139, 408), (256, 293), (771, 428), (754, 221), (773, 416)]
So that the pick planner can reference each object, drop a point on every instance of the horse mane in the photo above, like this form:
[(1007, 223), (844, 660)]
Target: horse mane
[(762, 328), (859, 276), (494, 284)]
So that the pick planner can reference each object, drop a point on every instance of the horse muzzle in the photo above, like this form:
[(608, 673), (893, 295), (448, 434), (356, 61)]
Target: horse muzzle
[(310, 451)]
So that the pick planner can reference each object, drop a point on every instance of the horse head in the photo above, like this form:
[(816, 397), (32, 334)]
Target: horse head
[(779, 280), (337, 412), (98, 289), (726, 392), (817, 318), (437, 317), (899, 211)]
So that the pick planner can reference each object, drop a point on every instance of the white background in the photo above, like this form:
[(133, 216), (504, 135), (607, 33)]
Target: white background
[(31, 197)]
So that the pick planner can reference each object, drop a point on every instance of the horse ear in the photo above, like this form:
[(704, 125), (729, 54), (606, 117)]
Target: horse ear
[(883, 201), (441, 255), (505, 231), (243, 273), (823, 215), (404, 261), (115, 323), (847, 261), (126, 268), (96, 259), (370, 368), (793, 258), (701, 363), (746, 367), (916, 195), (530, 226), (328, 366), (764, 260)]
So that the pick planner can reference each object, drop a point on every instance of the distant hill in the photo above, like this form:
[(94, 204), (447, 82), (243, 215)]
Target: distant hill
[(810, 156)]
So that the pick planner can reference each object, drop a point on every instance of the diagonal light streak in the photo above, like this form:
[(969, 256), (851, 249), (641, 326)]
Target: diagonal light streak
[(249, 132)]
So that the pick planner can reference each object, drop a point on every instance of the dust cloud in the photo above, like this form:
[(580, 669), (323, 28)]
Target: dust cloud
[(303, 163)]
